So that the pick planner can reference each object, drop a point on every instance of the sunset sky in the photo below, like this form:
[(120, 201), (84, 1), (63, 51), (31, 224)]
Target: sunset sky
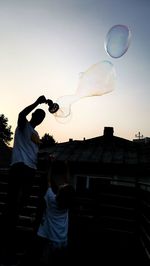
[(45, 45)]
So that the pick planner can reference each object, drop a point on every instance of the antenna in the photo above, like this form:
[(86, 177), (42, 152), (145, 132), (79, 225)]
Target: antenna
[(139, 136)]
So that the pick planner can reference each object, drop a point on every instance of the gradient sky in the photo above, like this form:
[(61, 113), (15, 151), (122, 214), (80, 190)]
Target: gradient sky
[(46, 44)]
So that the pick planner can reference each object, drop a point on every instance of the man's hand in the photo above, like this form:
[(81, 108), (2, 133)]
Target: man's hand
[(41, 99)]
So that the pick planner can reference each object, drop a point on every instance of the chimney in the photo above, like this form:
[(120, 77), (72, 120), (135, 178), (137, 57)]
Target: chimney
[(108, 132)]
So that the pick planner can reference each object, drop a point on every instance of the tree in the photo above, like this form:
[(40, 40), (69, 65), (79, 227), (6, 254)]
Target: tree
[(47, 141), (5, 130)]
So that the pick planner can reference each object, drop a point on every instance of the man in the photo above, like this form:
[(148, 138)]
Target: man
[(23, 168), (26, 137)]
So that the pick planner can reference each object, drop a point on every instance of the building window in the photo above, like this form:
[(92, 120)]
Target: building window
[(91, 184)]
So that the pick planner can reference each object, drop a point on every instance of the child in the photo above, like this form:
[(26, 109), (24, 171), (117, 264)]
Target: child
[(52, 234)]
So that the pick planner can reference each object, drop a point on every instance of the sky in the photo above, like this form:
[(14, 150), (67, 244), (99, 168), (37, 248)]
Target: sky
[(45, 45)]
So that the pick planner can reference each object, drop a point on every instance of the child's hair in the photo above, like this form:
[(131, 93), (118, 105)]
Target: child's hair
[(59, 181), (58, 174), (65, 196)]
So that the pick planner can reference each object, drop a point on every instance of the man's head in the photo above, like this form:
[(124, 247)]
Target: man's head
[(37, 117)]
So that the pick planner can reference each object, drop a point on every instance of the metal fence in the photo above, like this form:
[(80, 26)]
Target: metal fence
[(115, 210)]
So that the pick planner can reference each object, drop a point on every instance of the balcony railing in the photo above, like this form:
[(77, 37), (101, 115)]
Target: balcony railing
[(113, 217)]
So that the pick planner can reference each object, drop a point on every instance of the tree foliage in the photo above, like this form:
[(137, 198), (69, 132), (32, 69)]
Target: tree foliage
[(47, 141), (5, 130)]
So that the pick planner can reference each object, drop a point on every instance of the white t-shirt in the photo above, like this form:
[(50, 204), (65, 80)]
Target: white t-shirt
[(54, 224), (26, 146)]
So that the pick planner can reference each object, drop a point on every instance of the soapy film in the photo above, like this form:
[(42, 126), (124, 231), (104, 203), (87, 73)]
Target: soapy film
[(97, 80)]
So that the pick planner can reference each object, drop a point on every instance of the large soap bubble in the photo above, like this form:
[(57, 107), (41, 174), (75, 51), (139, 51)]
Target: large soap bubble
[(117, 40), (97, 80)]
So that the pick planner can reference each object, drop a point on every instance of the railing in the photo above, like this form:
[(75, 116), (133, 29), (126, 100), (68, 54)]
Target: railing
[(117, 209), (117, 212), (144, 215)]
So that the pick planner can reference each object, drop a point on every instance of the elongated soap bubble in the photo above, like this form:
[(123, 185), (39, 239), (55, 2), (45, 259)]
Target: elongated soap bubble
[(97, 80), (117, 41), (64, 115)]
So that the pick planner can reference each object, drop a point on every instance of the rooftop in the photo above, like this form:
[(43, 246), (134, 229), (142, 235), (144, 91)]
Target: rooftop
[(102, 149)]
